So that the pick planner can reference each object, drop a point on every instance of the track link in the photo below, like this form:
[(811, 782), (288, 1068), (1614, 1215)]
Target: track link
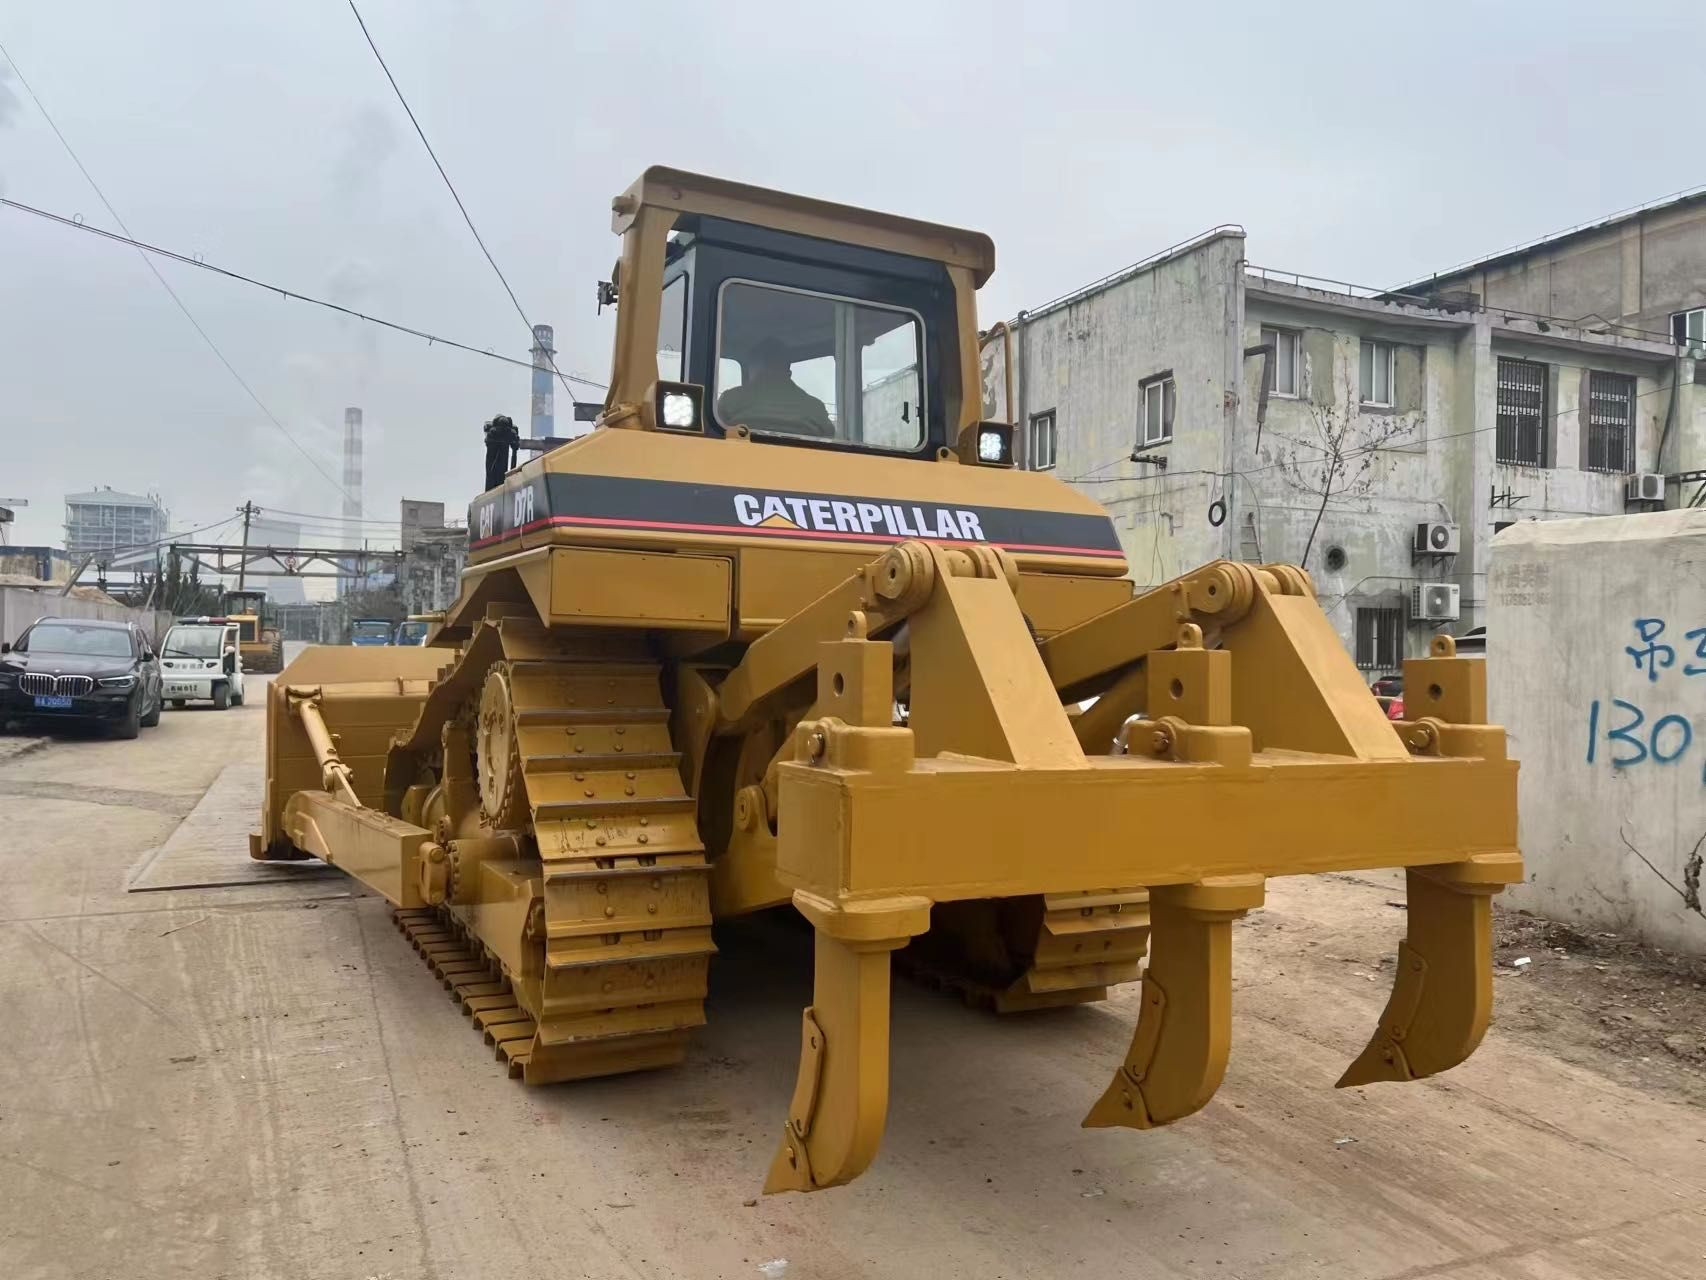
[(1017, 954), (592, 958)]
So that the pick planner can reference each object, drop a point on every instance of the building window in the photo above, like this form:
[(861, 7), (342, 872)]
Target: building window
[(1380, 639), (1611, 422), (1282, 361), (1521, 420), (1688, 328), (1379, 361), (1159, 401), (1042, 441)]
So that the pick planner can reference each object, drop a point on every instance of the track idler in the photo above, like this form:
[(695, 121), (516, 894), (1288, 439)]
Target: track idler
[(1178, 1052), (1442, 997)]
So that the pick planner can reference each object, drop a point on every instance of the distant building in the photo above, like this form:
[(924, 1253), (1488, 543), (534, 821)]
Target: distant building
[(418, 515), (1220, 410), (1643, 269), (121, 530), (40, 564), (433, 556)]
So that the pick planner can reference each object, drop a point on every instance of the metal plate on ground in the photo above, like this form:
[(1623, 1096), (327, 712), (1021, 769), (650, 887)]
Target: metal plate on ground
[(210, 848)]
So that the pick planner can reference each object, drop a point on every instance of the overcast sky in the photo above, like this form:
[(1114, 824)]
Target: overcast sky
[(1081, 136)]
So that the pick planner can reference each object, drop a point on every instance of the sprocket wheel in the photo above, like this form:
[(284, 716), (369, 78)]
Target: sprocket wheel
[(497, 755)]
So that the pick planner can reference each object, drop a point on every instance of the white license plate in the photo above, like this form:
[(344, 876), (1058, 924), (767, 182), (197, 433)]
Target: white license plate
[(180, 690), (54, 702)]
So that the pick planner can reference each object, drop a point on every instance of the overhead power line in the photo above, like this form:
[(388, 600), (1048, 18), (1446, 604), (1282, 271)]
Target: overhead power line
[(76, 224), (454, 195), (164, 284)]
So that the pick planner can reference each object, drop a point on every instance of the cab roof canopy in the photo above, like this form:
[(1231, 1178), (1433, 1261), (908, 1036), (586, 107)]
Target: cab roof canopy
[(660, 187)]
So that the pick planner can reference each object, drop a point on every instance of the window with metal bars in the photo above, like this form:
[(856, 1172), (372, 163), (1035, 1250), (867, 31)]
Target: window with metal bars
[(1521, 420), (1379, 639), (1611, 422)]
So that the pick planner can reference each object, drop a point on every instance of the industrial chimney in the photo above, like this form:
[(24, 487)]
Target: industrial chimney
[(544, 399), (352, 486)]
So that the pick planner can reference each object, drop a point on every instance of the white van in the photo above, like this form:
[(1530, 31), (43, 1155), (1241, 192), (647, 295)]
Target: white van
[(201, 659)]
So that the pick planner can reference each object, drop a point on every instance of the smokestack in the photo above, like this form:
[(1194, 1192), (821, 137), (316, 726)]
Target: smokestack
[(544, 398), (352, 485)]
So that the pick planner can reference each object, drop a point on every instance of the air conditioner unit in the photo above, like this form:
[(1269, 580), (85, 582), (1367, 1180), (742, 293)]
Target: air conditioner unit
[(1435, 601), (1644, 486), (1436, 538)]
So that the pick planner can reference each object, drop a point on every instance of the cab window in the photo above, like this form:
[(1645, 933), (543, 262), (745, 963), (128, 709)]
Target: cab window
[(672, 331), (812, 365)]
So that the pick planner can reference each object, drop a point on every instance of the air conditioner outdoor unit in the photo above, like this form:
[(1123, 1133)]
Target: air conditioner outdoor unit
[(1644, 486), (1436, 538), (1434, 601)]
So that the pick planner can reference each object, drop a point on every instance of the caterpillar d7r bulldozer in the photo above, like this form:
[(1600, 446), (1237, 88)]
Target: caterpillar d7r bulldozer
[(788, 627)]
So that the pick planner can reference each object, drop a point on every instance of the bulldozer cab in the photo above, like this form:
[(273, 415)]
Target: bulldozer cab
[(246, 609), (803, 343), (769, 319)]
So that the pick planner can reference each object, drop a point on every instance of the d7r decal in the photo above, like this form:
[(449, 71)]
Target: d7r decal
[(663, 506)]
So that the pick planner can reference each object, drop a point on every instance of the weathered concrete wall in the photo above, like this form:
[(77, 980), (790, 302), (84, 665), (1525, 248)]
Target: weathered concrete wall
[(20, 607), (1394, 467), (1430, 455), (1086, 360), (1596, 658), (1637, 271)]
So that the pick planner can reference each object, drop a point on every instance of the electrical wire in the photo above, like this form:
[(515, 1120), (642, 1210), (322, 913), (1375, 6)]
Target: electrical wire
[(432, 339), (164, 284), (454, 195)]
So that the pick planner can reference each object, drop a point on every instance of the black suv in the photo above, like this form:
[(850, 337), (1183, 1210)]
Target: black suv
[(83, 670)]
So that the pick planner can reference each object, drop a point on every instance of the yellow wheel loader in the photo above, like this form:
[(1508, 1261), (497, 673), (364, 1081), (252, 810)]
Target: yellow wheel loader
[(260, 640), (788, 628)]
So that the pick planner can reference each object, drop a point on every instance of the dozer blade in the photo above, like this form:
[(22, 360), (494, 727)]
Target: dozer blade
[(1442, 997), (1184, 1032)]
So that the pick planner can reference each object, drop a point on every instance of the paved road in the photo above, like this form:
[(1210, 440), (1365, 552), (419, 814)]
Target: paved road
[(264, 1082)]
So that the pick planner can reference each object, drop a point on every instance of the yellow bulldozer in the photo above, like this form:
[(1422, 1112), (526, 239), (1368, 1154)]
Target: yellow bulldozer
[(259, 638), (788, 628)]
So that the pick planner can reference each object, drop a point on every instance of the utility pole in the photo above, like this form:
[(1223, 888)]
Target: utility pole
[(248, 509)]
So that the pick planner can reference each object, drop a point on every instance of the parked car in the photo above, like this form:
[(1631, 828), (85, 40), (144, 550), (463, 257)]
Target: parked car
[(369, 631), (412, 631), (81, 670), (201, 659)]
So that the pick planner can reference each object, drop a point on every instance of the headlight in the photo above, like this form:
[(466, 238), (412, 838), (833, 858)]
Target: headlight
[(677, 409), (212, 664), (118, 682), (680, 406), (8, 679), (995, 443)]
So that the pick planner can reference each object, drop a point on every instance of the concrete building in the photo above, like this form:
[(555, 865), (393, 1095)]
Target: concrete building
[(41, 564), (1642, 272), (1595, 656), (1222, 410), (416, 518), (108, 523), (434, 554)]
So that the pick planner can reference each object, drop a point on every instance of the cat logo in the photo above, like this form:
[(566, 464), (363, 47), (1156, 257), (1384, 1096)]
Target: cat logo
[(834, 515)]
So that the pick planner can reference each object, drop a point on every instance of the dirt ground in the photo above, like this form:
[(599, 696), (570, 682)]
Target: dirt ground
[(265, 1082)]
